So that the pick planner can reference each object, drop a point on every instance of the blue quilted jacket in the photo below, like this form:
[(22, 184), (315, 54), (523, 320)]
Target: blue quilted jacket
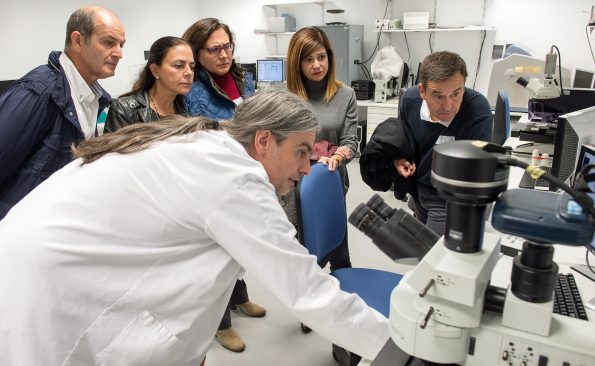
[(207, 99)]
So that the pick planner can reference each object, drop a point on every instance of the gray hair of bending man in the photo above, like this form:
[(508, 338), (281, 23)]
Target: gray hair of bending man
[(282, 113), (441, 66), (83, 21)]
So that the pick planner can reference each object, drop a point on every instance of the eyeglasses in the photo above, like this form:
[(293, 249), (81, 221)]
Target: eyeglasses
[(228, 47)]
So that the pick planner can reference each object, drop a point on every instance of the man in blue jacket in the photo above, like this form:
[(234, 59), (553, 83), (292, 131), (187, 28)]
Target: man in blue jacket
[(55, 105), (438, 110)]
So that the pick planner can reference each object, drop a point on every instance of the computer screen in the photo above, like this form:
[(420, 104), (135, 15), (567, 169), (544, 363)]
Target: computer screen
[(574, 130), (585, 157), (270, 71), (583, 78)]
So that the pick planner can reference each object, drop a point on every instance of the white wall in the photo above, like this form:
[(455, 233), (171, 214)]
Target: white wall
[(32, 28), (536, 23)]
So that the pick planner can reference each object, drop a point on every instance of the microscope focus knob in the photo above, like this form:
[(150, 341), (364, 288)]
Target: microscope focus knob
[(505, 355)]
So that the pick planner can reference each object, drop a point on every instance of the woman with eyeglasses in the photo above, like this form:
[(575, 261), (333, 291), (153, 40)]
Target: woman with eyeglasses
[(160, 88), (219, 83), (219, 86)]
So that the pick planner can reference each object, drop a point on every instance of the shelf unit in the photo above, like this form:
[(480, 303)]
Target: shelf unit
[(458, 29), (279, 8), (293, 3)]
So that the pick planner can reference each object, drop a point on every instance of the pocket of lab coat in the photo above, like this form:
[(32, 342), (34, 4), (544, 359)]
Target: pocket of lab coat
[(144, 341)]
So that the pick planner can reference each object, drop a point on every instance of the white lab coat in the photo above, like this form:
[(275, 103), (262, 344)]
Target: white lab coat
[(131, 260)]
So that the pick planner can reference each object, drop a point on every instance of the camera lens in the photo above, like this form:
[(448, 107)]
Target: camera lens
[(533, 276)]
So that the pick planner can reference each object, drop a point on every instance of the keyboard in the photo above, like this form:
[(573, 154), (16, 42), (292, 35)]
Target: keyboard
[(567, 299), (540, 183)]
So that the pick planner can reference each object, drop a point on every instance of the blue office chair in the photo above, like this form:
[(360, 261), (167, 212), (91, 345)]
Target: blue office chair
[(501, 129), (323, 223)]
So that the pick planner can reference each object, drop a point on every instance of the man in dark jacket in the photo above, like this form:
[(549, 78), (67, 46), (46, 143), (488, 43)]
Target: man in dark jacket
[(55, 105), (440, 109)]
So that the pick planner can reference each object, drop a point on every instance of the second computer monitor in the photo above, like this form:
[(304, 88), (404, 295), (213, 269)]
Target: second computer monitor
[(574, 130), (270, 71), (583, 78)]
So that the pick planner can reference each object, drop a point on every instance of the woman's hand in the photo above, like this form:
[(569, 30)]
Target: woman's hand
[(332, 162), (344, 152)]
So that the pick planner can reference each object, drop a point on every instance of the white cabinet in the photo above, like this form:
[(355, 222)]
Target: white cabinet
[(377, 113)]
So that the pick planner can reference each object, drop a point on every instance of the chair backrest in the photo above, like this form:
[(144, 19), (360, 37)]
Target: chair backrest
[(501, 119), (404, 75), (321, 204)]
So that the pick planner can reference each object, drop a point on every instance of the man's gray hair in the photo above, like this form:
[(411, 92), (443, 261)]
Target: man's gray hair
[(82, 20), (282, 113)]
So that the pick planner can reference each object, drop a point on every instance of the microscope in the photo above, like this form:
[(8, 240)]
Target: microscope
[(445, 310)]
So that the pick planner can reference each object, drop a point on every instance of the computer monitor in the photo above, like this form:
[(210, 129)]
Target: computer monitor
[(585, 157), (583, 78), (574, 130), (270, 71)]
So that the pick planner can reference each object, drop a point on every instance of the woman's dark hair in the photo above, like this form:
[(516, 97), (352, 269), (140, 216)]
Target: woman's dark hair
[(157, 53), (198, 34)]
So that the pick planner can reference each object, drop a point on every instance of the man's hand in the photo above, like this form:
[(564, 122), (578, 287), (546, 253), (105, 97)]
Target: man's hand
[(404, 167)]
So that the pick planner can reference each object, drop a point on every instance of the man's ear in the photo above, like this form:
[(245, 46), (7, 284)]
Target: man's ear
[(263, 142), (422, 93), (76, 41)]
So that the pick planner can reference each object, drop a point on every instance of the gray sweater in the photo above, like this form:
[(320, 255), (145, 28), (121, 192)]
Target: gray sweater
[(338, 118)]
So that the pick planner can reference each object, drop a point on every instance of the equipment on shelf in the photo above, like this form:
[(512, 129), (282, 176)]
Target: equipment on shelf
[(364, 89), (386, 68)]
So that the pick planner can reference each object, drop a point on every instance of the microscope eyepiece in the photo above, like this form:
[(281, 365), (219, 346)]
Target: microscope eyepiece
[(377, 204), (398, 234)]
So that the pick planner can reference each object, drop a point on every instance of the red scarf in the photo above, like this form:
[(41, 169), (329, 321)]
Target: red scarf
[(228, 85)]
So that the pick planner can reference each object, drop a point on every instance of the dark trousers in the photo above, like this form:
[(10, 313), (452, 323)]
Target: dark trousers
[(238, 296), (339, 257), (429, 208)]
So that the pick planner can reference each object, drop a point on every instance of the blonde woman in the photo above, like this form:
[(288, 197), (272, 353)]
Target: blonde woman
[(311, 75)]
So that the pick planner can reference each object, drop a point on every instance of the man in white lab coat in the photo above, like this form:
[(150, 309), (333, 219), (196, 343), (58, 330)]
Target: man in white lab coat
[(128, 255)]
